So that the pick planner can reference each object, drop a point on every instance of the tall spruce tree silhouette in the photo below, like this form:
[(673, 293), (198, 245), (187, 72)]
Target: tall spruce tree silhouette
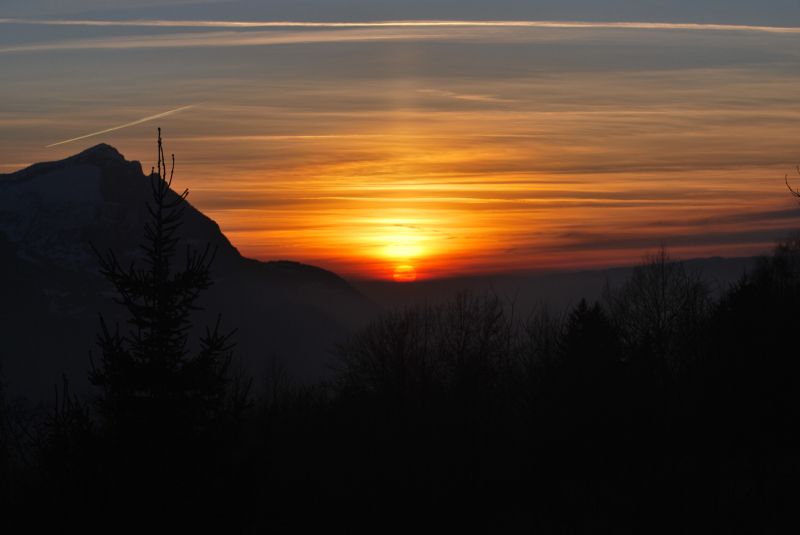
[(153, 388)]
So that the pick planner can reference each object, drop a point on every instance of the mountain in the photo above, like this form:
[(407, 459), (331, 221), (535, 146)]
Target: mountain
[(51, 291)]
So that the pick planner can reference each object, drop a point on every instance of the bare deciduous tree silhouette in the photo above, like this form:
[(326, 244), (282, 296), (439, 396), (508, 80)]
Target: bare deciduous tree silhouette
[(794, 191), (658, 308)]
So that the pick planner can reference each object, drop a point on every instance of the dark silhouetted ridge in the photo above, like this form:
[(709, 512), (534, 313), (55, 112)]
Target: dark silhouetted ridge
[(51, 212)]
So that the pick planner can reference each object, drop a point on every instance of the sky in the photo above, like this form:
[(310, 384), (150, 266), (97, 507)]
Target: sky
[(453, 137)]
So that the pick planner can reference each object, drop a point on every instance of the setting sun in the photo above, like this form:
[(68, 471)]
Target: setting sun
[(405, 273)]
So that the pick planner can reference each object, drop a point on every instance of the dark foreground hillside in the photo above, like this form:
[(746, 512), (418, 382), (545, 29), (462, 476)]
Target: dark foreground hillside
[(654, 410)]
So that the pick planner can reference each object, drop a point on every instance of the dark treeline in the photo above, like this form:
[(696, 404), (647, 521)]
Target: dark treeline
[(664, 407)]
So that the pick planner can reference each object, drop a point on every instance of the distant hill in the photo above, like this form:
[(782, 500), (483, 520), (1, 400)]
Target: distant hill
[(558, 290), (51, 292)]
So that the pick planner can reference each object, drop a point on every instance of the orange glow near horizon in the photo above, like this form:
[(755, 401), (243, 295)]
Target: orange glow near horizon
[(450, 210), (452, 205)]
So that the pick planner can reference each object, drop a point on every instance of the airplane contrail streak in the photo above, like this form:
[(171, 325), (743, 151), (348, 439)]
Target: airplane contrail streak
[(120, 127), (408, 23)]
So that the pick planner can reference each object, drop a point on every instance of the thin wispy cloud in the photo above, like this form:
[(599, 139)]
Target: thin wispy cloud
[(230, 39), (120, 127), (240, 33), (407, 23), (464, 96)]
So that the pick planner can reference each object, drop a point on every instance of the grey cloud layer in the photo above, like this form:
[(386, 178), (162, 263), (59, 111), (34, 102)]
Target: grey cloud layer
[(328, 32), (766, 12)]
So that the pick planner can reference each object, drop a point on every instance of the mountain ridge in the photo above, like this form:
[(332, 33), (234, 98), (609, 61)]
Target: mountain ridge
[(51, 290), (108, 156)]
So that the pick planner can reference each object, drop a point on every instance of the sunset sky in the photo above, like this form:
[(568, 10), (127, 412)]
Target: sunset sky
[(515, 136)]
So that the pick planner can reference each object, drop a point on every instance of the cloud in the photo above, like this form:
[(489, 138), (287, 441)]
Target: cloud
[(227, 39), (465, 96), (120, 127), (408, 23), (245, 33)]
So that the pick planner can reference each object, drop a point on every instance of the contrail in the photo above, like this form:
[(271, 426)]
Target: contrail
[(408, 23), (120, 127)]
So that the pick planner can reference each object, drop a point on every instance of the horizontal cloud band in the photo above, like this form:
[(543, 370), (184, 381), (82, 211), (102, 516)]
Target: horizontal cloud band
[(407, 23), (300, 33)]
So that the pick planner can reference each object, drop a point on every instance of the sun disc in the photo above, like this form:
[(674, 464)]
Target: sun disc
[(405, 273)]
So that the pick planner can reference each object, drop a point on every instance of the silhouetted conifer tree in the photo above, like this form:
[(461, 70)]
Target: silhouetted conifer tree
[(149, 378)]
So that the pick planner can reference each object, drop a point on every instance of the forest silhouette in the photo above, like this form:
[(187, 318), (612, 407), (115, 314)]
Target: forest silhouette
[(665, 406)]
